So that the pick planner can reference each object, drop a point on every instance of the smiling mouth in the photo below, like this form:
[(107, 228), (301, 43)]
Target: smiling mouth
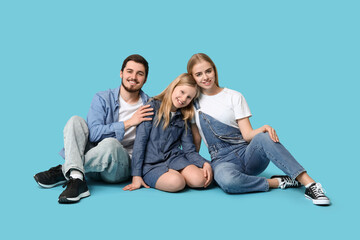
[(132, 82), (206, 82), (180, 102)]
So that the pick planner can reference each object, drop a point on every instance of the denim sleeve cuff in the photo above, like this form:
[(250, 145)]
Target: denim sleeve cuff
[(196, 159), (136, 172), (119, 129)]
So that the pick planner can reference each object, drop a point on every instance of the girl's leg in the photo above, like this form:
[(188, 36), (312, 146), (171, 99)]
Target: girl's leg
[(194, 176), (171, 181)]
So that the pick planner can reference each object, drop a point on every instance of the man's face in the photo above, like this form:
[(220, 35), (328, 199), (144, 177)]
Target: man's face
[(133, 76)]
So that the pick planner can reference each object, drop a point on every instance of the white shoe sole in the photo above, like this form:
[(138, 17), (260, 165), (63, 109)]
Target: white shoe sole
[(322, 202), (75, 199), (51, 186)]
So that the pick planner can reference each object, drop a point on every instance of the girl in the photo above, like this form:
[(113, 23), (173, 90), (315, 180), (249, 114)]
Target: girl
[(238, 152), (164, 155)]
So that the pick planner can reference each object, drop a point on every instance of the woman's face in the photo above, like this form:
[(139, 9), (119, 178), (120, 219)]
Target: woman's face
[(182, 96), (204, 75)]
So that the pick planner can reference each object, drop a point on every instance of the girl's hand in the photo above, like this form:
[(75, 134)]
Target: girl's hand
[(208, 174), (137, 182), (142, 114), (271, 132)]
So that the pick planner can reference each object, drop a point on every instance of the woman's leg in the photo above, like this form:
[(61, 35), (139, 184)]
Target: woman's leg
[(304, 178), (171, 181), (261, 148), (231, 179), (194, 176)]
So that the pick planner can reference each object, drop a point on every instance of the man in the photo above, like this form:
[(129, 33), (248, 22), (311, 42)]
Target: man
[(102, 147)]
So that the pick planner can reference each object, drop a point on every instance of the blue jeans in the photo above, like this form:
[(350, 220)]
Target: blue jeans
[(236, 166)]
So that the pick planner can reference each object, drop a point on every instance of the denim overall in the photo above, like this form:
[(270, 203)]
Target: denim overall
[(236, 163)]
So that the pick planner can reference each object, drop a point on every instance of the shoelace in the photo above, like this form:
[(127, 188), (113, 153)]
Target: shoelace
[(52, 171), (68, 182), (318, 190), (287, 181)]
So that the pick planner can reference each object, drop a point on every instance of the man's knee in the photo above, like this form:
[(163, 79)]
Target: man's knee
[(76, 122), (111, 144), (113, 152)]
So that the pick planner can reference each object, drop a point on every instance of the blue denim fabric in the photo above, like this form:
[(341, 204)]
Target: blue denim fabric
[(236, 163), (155, 145), (103, 116)]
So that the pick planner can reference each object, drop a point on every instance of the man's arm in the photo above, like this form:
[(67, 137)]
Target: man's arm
[(97, 121)]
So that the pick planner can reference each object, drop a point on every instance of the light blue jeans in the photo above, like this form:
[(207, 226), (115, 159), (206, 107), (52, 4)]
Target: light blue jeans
[(236, 166), (107, 161)]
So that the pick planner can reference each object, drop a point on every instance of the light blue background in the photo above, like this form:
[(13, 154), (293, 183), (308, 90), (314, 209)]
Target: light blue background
[(296, 62)]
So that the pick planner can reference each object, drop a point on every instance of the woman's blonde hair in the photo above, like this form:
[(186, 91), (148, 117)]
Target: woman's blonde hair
[(166, 100), (199, 57)]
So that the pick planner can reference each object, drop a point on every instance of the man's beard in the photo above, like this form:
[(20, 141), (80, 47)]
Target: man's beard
[(129, 89)]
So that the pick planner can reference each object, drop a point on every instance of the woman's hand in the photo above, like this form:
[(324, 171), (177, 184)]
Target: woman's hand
[(137, 182), (272, 133), (208, 174)]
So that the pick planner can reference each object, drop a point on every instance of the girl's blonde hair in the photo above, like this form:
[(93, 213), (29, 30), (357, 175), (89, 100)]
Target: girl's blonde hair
[(166, 101), (199, 57)]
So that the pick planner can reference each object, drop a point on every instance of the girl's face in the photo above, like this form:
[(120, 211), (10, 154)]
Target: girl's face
[(204, 75), (182, 96)]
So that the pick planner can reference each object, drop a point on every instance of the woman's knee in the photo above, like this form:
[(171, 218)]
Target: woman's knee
[(228, 178), (261, 137)]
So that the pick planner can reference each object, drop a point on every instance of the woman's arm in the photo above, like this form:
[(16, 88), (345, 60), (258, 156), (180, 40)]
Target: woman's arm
[(249, 133), (196, 136)]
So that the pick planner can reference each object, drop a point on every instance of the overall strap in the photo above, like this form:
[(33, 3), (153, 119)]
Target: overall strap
[(196, 104)]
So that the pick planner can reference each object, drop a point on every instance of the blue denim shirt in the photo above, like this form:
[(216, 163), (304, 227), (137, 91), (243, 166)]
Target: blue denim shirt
[(103, 116), (154, 145)]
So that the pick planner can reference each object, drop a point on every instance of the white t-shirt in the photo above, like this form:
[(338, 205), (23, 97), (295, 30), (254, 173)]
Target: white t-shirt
[(227, 106), (126, 111)]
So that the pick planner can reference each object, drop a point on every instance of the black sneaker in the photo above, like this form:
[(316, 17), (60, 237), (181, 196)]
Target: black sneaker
[(316, 193), (287, 182), (75, 190), (50, 178)]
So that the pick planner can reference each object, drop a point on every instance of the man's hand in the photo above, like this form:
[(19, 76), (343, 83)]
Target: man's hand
[(139, 116)]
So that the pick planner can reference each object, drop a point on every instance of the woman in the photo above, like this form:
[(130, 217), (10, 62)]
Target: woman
[(238, 152), (164, 155)]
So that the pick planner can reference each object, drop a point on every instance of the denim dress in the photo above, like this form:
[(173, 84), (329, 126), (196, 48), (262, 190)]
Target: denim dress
[(236, 163), (156, 150)]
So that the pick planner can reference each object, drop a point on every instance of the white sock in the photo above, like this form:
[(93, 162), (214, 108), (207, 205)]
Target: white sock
[(76, 174), (308, 185), (279, 180)]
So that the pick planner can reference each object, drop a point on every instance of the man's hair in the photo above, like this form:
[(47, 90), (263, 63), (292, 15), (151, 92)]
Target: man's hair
[(138, 59)]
